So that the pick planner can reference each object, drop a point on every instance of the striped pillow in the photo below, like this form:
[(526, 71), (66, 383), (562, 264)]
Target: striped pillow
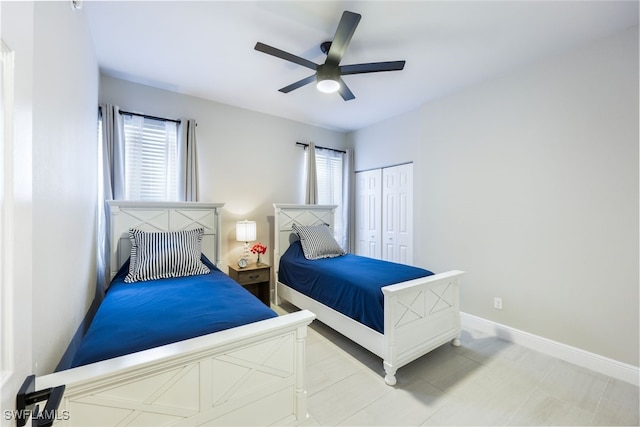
[(317, 241), (158, 255)]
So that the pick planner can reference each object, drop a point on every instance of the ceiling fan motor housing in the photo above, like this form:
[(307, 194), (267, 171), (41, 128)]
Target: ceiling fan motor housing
[(328, 78), (328, 72)]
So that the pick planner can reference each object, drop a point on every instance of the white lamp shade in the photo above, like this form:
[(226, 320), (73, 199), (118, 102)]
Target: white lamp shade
[(246, 231)]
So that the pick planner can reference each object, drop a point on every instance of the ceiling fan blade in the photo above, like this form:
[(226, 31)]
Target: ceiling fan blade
[(298, 84), (269, 50), (345, 92), (372, 67), (342, 38)]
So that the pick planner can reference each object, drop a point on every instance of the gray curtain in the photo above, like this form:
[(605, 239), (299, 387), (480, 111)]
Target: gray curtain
[(348, 202), (187, 161), (112, 182), (311, 194), (112, 152)]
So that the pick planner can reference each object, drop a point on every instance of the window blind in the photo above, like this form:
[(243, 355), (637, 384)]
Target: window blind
[(151, 159), (329, 175)]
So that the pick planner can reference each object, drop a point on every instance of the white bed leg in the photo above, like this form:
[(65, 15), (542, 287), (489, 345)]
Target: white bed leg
[(455, 342), (390, 377)]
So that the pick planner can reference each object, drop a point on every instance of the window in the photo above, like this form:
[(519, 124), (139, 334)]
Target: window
[(329, 171), (151, 158)]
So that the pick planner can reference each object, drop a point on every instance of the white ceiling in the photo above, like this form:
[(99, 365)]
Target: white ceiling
[(206, 48)]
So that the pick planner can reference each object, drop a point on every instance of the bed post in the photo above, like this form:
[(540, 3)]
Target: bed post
[(114, 211), (389, 360), (456, 341), (301, 391), (276, 253), (217, 261)]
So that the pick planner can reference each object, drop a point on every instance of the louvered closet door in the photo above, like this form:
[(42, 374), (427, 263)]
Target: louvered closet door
[(397, 213), (368, 213)]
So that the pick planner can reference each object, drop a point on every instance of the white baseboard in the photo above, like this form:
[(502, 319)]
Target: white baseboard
[(595, 362)]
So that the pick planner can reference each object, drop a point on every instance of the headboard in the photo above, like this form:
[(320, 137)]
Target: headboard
[(287, 215), (162, 216)]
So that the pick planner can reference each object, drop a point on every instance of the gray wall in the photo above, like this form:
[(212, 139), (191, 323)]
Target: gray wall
[(529, 182)]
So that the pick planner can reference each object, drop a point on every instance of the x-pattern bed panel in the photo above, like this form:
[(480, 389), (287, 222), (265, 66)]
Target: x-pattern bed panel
[(210, 389), (305, 218), (156, 217)]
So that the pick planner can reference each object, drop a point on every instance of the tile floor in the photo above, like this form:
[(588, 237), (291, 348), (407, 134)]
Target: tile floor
[(486, 381)]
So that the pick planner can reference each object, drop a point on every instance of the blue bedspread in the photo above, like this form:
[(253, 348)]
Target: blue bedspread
[(349, 284), (142, 315)]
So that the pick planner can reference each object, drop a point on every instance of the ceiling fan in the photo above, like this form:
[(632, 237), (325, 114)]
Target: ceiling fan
[(328, 75)]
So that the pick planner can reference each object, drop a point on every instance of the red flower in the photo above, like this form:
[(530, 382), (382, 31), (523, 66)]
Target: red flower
[(258, 248)]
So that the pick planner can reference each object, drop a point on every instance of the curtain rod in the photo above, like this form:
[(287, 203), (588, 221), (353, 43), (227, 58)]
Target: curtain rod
[(149, 117), (322, 148), (385, 167)]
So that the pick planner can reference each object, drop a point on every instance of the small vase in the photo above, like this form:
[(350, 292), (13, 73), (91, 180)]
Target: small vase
[(258, 262)]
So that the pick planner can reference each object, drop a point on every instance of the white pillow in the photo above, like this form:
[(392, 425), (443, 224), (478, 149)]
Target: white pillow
[(317, 241), (158, 255)]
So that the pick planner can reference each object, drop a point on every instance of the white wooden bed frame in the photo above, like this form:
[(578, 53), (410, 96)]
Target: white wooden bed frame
[(248, 375), (419, 315)]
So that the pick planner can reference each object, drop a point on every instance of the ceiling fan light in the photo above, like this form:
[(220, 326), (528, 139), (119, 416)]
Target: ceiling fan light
[(328, 85)]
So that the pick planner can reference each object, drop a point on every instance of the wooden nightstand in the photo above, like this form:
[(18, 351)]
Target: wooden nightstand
[(255, 278)]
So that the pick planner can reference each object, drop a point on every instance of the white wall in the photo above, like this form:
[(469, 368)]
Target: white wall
[(16, 30), (398, 138), (247, 160), (65, 95), (530, 184)]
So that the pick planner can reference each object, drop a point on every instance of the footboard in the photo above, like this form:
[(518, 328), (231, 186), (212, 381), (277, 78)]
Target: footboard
[(249, 375), (419, 315)]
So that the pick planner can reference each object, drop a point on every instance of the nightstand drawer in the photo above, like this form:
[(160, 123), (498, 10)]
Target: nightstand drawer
[(248, 277)]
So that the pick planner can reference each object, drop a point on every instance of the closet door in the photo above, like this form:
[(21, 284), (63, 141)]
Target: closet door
[(368, 213), (397, 214)]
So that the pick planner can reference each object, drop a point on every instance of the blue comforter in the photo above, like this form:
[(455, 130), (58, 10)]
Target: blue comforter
[(142, 315), (349, 284)]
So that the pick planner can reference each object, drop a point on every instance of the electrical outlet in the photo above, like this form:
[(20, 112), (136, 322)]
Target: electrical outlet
[(497, 303)]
